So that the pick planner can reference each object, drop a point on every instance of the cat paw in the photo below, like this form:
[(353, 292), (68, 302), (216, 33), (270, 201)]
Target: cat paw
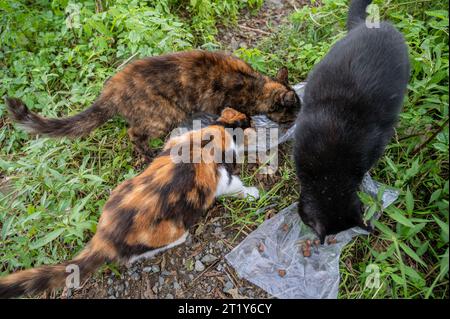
[(251, 193)]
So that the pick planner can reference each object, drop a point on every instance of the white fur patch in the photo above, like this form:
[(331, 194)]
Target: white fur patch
[(150, 254)]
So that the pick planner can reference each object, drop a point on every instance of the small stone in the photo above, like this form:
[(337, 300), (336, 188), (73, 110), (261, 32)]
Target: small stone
[(127, 284), (161, 280), (166, 273), (191, 276), (155, 268), (120, 287), (155, 288), (228, 285), (111, 297), (207, 259), (111, 291), (135, 276), (110, 281), (234, 44), (169, 296), (217, 230), (199, 266), (176, 285), (147, 269)]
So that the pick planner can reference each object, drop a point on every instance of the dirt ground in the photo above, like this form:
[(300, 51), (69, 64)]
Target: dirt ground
[(197, 268)]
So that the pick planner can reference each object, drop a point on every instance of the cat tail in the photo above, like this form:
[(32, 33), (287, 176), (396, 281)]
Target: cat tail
[(357, 13), (35, 280), (73, 126)]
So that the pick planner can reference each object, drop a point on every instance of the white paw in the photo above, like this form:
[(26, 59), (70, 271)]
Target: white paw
[(251, 193)]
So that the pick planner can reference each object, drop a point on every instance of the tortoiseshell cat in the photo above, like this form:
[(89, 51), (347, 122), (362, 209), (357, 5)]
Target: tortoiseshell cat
[(150, 212), (156, 93)]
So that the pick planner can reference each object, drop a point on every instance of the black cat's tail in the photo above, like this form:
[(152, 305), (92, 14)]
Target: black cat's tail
[(35, 280), (73, 126), (357, 13)]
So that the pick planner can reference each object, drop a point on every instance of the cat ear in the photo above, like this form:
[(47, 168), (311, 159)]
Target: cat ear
[(282, 76), (288, 99)]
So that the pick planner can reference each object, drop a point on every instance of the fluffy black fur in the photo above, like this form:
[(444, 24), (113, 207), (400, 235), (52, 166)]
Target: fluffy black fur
[(351, 105)]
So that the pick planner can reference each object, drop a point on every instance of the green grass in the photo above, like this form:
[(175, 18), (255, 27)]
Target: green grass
[(56, 188)]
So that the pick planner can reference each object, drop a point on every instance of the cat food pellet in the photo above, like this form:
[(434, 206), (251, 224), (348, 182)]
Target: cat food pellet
[(306, 249), (281, 272), (308, 242), (285, 227), (261, 247), (306, 253)]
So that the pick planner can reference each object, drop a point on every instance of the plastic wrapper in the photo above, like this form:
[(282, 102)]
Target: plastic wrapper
[(271, 257)]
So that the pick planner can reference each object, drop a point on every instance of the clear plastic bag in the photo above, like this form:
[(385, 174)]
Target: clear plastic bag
[(271, 256), (274, 249)]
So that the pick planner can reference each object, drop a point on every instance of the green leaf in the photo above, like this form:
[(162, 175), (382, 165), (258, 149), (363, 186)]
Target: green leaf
[(397, 215), (46, 239), (409, 201), (385, 230), (371, 211), (436, 195), (399, 280), (6, 227), (444, 263), (444, 228), (411, 253), (415, 276)]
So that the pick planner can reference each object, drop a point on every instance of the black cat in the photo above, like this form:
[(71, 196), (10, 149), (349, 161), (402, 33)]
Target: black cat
[(352, 101)]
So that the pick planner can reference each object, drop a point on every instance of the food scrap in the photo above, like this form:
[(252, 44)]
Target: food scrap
[(261, 247), (281, 272), (306, 248)]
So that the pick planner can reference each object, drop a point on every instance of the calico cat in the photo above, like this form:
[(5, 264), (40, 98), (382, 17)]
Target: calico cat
[(352, 102), (150, 212), (156, 93)]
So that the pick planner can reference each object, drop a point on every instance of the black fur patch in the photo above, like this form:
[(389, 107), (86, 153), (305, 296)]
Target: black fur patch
[(351, 105)]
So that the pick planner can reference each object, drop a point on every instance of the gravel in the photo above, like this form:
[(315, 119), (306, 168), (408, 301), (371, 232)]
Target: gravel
[(135, 276), (228, 285), (208, 259), (199, 266)]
